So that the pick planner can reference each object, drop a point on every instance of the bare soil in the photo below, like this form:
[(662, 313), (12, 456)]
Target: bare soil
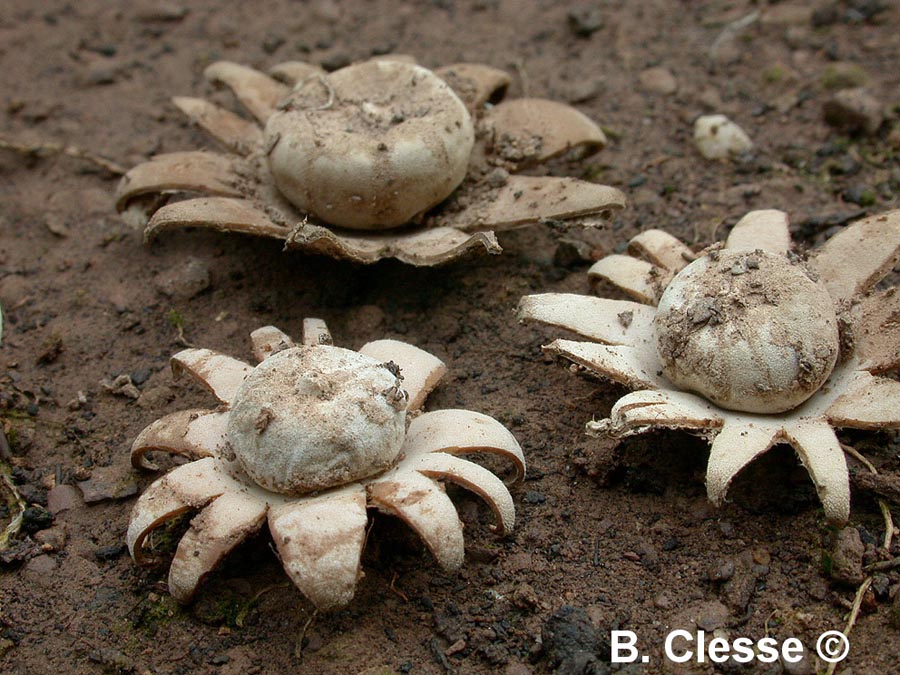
[(625, 536)]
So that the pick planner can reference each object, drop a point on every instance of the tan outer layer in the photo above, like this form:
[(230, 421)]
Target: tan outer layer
[(256, 91), (529, 131), (640, 279), (876, 331), (379, 143), (233, 131), (217, 213), (475, 83), (268, 340), (859, 256), (661, 249), (475, 478), (190, 486), (634, 367)]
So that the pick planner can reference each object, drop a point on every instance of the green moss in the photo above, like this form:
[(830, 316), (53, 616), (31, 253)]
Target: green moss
[(153, 612), (843, 76), (229, 610), (774, 74), (175, 318)]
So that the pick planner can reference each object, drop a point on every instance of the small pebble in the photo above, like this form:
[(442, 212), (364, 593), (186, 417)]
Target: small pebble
[(108, 482), (658, 80), (853, 111), (185, 281), (586, 20), (63, 498), (534, 497), (161, 12)]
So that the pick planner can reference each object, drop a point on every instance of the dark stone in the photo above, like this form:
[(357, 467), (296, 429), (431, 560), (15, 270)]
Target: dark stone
[(138, 377), (572, 645), (36, 518), (859, 194), (585, 21)]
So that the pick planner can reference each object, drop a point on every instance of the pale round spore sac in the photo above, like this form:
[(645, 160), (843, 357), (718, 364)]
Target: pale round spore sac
[(370, 146), (311, 418), (748, 330)]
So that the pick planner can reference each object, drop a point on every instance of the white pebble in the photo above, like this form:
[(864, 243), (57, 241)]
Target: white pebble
[(717, 137)]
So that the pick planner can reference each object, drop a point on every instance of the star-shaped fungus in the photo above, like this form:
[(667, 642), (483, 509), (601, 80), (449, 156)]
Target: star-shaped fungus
[(381, 159), (306, 441), (747, 345)]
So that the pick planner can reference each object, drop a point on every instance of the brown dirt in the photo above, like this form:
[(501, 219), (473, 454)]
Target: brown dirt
[(637, 546)]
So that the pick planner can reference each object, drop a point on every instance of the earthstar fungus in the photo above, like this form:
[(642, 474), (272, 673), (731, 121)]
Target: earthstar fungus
[(746, 344), (380, 159), (306, 441)]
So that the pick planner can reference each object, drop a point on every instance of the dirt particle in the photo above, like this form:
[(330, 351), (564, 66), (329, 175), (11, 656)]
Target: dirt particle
[(847, 557)]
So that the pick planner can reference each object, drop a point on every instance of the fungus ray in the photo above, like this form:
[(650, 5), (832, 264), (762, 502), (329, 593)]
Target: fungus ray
[(822, 455), (218, 213), (859, 256), (190, 486), (477, 479), (292, 73), (189, 433), (524, 200), (320, 541), (268, 340), (214, 532), (426, 246), (639, 411), (612, 322), (765, 229), (219, 373), (233, 131), (736, 445), (877, 335), (194, 171), (536, 130), (640, 279), (420, 370), (459, 432), (425, 507), (636, 367), (867, 402), (661, 249), (256, 91), (475, 83)]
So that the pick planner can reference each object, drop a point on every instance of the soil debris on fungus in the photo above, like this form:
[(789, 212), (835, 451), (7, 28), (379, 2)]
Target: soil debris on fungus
[(378, 159), (306, 441), (743, 346)]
